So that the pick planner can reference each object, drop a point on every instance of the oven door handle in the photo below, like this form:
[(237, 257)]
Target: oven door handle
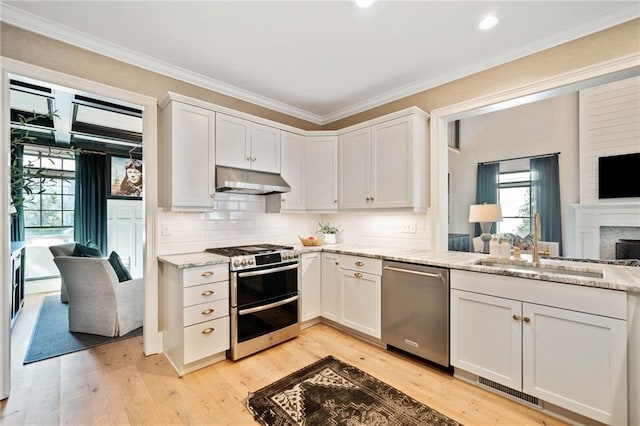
[(269, 306), (267, 271)]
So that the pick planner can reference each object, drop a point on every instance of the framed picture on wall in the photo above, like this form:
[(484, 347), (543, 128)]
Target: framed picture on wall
[(125, 178)]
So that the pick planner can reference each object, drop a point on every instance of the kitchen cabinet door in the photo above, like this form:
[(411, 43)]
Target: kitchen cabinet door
[(330, 286), (190, 156), (233, 142), (354, 163), (392, 164), (292, 170), (265, 148), (486, 337), (360, 302), (321, 173), (575, 360), (311, 284)]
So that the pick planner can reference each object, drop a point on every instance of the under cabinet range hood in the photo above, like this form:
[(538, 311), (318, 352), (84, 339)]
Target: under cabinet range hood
[(242, 181)]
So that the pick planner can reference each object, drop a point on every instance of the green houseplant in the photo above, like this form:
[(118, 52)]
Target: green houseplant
[(329, 232)]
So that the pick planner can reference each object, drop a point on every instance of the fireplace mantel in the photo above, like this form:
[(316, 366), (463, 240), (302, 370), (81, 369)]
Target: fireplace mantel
[(590, 217)]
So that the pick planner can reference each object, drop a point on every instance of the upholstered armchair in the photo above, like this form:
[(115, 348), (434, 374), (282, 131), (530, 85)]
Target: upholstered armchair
[(98, 303), (65, 249)]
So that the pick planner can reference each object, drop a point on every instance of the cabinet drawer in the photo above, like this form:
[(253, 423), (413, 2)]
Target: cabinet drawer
[(361, 264), (195, 295), (205, 274), (206, 339), (205, 311)]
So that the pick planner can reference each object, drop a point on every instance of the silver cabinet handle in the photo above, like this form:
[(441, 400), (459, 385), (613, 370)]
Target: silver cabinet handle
[(208, 330), (206, 274), (409, 271), (357, 274), (207, 293)]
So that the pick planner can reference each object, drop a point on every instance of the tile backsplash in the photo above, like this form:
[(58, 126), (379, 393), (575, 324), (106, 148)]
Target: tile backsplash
[(240, 219)]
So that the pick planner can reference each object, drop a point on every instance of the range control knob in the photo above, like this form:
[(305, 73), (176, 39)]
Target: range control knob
[(250, 262), (236, 263), (244, 262)]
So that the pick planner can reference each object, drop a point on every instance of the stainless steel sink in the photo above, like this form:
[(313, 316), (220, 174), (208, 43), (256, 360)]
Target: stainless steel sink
[(529, 268)]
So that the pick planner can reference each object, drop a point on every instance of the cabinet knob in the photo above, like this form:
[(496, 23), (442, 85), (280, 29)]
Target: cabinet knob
[(283, 200), (207, 293), (335, 201), (368, 199), (372, 199), (358, 263), (249, 159), (212, 196), (337, 263), (207, 311), (527, 319), (208, 330), (206, 274), (517, 317), (357, 274)]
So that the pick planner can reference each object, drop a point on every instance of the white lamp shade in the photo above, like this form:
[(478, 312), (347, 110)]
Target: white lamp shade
[(485, 213)]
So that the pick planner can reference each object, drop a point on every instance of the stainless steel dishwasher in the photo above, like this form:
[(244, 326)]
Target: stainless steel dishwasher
[(415, 310)]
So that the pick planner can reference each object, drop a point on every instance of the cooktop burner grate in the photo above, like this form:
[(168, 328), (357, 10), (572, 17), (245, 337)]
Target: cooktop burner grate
[(248, 250)]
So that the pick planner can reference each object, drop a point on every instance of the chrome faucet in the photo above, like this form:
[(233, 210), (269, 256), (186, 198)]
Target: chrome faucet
[(536, 239)]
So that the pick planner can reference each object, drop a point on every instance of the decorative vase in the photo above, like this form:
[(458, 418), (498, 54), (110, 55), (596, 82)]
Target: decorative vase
[(329, 238)]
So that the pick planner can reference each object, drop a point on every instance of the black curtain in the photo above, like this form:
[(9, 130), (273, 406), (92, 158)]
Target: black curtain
[(545, 184), (90, 220), (487, 189), (17, 193)]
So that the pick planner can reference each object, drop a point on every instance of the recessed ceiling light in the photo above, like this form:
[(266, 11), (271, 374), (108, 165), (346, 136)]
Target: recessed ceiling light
[(488, 22), (364, 3)]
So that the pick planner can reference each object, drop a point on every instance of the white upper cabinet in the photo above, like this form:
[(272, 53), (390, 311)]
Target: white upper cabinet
[(189, 157), (384, 165), (247, 145), (355, 169), (321, 173), (292, 170)]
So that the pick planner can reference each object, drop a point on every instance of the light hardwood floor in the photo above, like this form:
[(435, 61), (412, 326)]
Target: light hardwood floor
[(116, 384)]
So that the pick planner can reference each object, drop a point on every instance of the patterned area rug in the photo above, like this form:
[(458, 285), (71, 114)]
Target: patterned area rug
[(330, 392)]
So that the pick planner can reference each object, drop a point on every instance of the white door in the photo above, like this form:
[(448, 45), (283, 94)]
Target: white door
[(292, 170), (265, 148), (311, 284), (330, 286), (577, 361), (125, 226), (354, 169), (321, 173), (392, 159), (486, 337), (191, 172), (233, 142), (361, 302)]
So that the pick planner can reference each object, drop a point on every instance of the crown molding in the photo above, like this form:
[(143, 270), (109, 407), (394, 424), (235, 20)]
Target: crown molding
[(37, 24), (14, 16)]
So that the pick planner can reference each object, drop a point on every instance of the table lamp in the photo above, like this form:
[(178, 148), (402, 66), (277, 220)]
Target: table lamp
[(485, 215)]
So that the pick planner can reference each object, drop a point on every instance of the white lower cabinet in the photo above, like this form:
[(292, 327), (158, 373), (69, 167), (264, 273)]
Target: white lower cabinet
[(195, 315), (330, 308), (310, 286), (360, 294), (563, 344)]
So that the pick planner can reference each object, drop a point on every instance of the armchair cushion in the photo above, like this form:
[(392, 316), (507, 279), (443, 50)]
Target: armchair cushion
[(88, 250), (119, 267)]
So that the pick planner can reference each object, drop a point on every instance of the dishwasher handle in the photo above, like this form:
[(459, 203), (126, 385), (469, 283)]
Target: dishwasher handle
[(409, 271)]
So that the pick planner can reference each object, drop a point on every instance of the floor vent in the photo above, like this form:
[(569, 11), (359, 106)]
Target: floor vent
[(521, 396)]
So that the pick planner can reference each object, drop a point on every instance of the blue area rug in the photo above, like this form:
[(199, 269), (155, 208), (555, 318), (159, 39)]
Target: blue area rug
[(51, 336)]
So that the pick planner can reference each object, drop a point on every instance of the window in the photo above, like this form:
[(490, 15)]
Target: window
[(514, 196), (49, 210)]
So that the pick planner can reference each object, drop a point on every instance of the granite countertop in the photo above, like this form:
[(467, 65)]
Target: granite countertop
[(192, 260), (624, 278)]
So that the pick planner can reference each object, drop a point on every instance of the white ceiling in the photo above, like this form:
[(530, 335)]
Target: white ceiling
[(319, 61)]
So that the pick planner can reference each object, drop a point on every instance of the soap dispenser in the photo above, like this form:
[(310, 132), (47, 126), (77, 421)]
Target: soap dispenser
[(505, 247), (494, 246)]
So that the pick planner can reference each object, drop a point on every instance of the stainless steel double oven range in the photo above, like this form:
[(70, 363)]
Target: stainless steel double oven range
[(263, 296)]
